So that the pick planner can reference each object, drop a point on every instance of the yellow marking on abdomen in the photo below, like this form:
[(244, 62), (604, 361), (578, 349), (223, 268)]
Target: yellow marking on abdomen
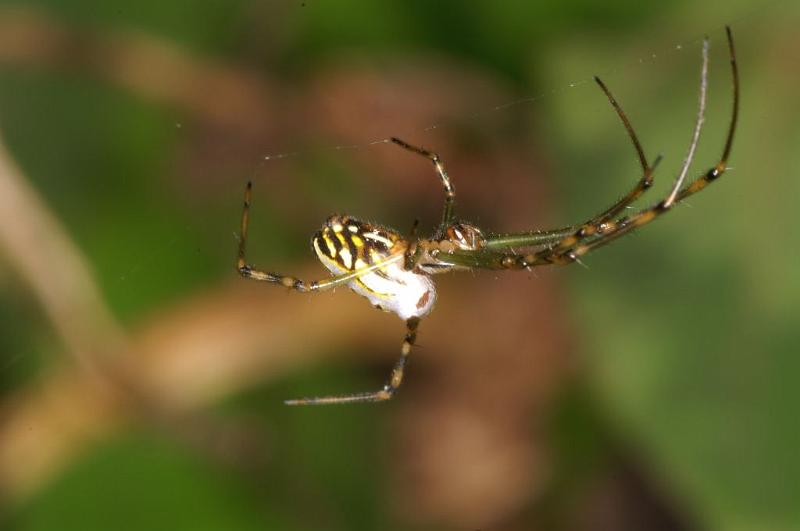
[(344, 252), (329, 244)]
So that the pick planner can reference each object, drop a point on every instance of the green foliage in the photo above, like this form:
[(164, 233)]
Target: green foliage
[(138, 482)]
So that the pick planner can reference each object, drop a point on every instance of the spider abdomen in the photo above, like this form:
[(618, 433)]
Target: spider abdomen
[(345, 245)]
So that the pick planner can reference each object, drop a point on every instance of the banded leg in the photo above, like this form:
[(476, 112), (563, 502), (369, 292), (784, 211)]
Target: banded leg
[(386, 392), (568, 236), (449, 191), (247, 271), (717, 171), (558, 255), (678, 192), (413, 250)]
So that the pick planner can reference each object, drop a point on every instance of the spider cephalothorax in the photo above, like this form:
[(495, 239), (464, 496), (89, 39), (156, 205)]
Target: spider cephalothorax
[(463, 236), (394, 272)]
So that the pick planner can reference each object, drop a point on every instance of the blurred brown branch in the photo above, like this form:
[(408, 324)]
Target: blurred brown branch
[(36, 245), (41, 252), (184, 359)]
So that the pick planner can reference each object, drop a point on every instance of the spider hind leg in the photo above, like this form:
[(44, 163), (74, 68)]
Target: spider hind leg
[(384, 393), (248, 271)]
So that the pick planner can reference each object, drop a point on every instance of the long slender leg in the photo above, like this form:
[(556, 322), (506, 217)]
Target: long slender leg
[(529, 239), (717, 171), (449, 191), (413, 251), (247, 271), (384, 393), (568, 236), (678, 192), (534, 238), (615, 229)]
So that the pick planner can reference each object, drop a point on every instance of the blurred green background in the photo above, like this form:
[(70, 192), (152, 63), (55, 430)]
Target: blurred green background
[(141, 380)]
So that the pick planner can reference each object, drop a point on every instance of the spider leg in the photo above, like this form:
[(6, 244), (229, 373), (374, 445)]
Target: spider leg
[(297, 284), (529, 239), (596, 224), (247, 271), (488, 259), (449, 191), (717, 171), (413, 250), (678, 192), (386, 392), (562, 255)]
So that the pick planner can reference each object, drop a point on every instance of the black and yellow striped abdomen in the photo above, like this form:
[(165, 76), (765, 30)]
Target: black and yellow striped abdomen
[(346, 245), (350, 244)]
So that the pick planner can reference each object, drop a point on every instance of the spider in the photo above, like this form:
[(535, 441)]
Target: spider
[(394, 272)]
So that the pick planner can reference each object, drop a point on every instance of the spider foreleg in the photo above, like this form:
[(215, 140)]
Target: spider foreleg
[(383, 394), (449, 191), (716, 172), (602, 223), (487, 259), (566, 237), (678, 192)]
